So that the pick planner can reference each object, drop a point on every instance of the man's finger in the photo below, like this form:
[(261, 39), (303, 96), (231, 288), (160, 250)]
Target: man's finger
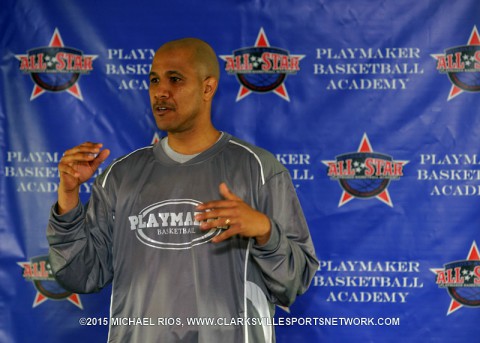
[(68, 170), (86, 147), (101, 157), (224, 235), (214, 206), (226, 193)]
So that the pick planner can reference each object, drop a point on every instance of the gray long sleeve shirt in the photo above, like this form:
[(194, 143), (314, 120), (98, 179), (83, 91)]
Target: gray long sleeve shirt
[(138, 231)]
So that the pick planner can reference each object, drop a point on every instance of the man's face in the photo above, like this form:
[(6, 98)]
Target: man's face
[(175, 90)]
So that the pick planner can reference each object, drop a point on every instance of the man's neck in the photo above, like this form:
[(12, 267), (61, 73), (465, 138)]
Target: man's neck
[(189, 143)]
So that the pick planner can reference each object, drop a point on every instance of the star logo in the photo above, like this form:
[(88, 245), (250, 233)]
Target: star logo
[(364, 174), (462, 280), (262, 68), (462, 65), (156, 138), (39, 271), (55, 68)]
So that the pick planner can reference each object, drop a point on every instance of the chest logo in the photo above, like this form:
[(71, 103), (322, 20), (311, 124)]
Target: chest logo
[(170, 225)]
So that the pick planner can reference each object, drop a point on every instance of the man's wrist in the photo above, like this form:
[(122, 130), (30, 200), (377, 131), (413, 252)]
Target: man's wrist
[(262, 240), (265, 237), (67, 200), (63, 207)]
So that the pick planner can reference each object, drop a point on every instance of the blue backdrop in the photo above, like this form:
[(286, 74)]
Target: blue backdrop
[(373, 106)]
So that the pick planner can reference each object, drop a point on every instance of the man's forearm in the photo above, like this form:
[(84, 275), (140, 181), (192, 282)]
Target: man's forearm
[(67, 201)]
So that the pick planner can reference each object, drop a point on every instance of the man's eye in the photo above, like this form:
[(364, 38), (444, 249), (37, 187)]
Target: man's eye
[(154, 80), (175, 79)]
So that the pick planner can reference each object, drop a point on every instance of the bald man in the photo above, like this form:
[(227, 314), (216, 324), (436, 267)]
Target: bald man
[(198, 226)]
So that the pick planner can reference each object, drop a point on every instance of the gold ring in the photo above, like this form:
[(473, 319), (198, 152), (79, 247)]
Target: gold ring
[(227, 222)]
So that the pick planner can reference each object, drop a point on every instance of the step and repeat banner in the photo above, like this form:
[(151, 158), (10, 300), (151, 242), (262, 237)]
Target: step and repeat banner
[(373, 106)]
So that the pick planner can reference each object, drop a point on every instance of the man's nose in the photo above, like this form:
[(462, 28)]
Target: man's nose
[(161, 91)]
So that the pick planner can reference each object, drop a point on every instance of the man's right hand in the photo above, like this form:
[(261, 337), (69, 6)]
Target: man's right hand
[(77, 166)]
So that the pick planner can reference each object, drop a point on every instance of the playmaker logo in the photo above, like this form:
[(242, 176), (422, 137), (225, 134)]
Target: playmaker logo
[(462, 65), (365, 174), (462, 280), (170, 225), (39, 271), (56, 68), (262, 68)]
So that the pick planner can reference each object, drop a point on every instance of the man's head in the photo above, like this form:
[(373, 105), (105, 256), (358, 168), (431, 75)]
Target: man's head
[(183, 80), (202, 54)]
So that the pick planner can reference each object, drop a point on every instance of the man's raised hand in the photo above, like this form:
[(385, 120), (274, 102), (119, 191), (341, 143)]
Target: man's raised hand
[(77, 166)]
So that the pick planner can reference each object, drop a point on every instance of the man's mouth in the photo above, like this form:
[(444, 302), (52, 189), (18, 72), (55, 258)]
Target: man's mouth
[(162, 108)]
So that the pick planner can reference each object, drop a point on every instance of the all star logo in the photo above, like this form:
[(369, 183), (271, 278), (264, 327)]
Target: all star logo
[(462, 65), (461, 279), (39, 271), (56, 67), (262, 68), (365, 174)]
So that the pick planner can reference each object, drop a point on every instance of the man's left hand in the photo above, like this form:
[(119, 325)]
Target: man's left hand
[(236, 216)]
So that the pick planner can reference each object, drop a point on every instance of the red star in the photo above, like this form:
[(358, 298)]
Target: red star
[(281, 91), (472, 255), (40, 298), (156, 138), (56, 41), (74, 299), (473, 40), (384, 197)]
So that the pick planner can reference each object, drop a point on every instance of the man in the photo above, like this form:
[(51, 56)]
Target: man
[(200, 225)]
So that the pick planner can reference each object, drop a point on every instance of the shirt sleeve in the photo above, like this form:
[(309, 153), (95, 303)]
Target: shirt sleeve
[(81, 244), (287, 261)]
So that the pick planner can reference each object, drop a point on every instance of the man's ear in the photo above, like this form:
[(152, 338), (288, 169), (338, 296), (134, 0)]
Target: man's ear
[(210, 85)]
